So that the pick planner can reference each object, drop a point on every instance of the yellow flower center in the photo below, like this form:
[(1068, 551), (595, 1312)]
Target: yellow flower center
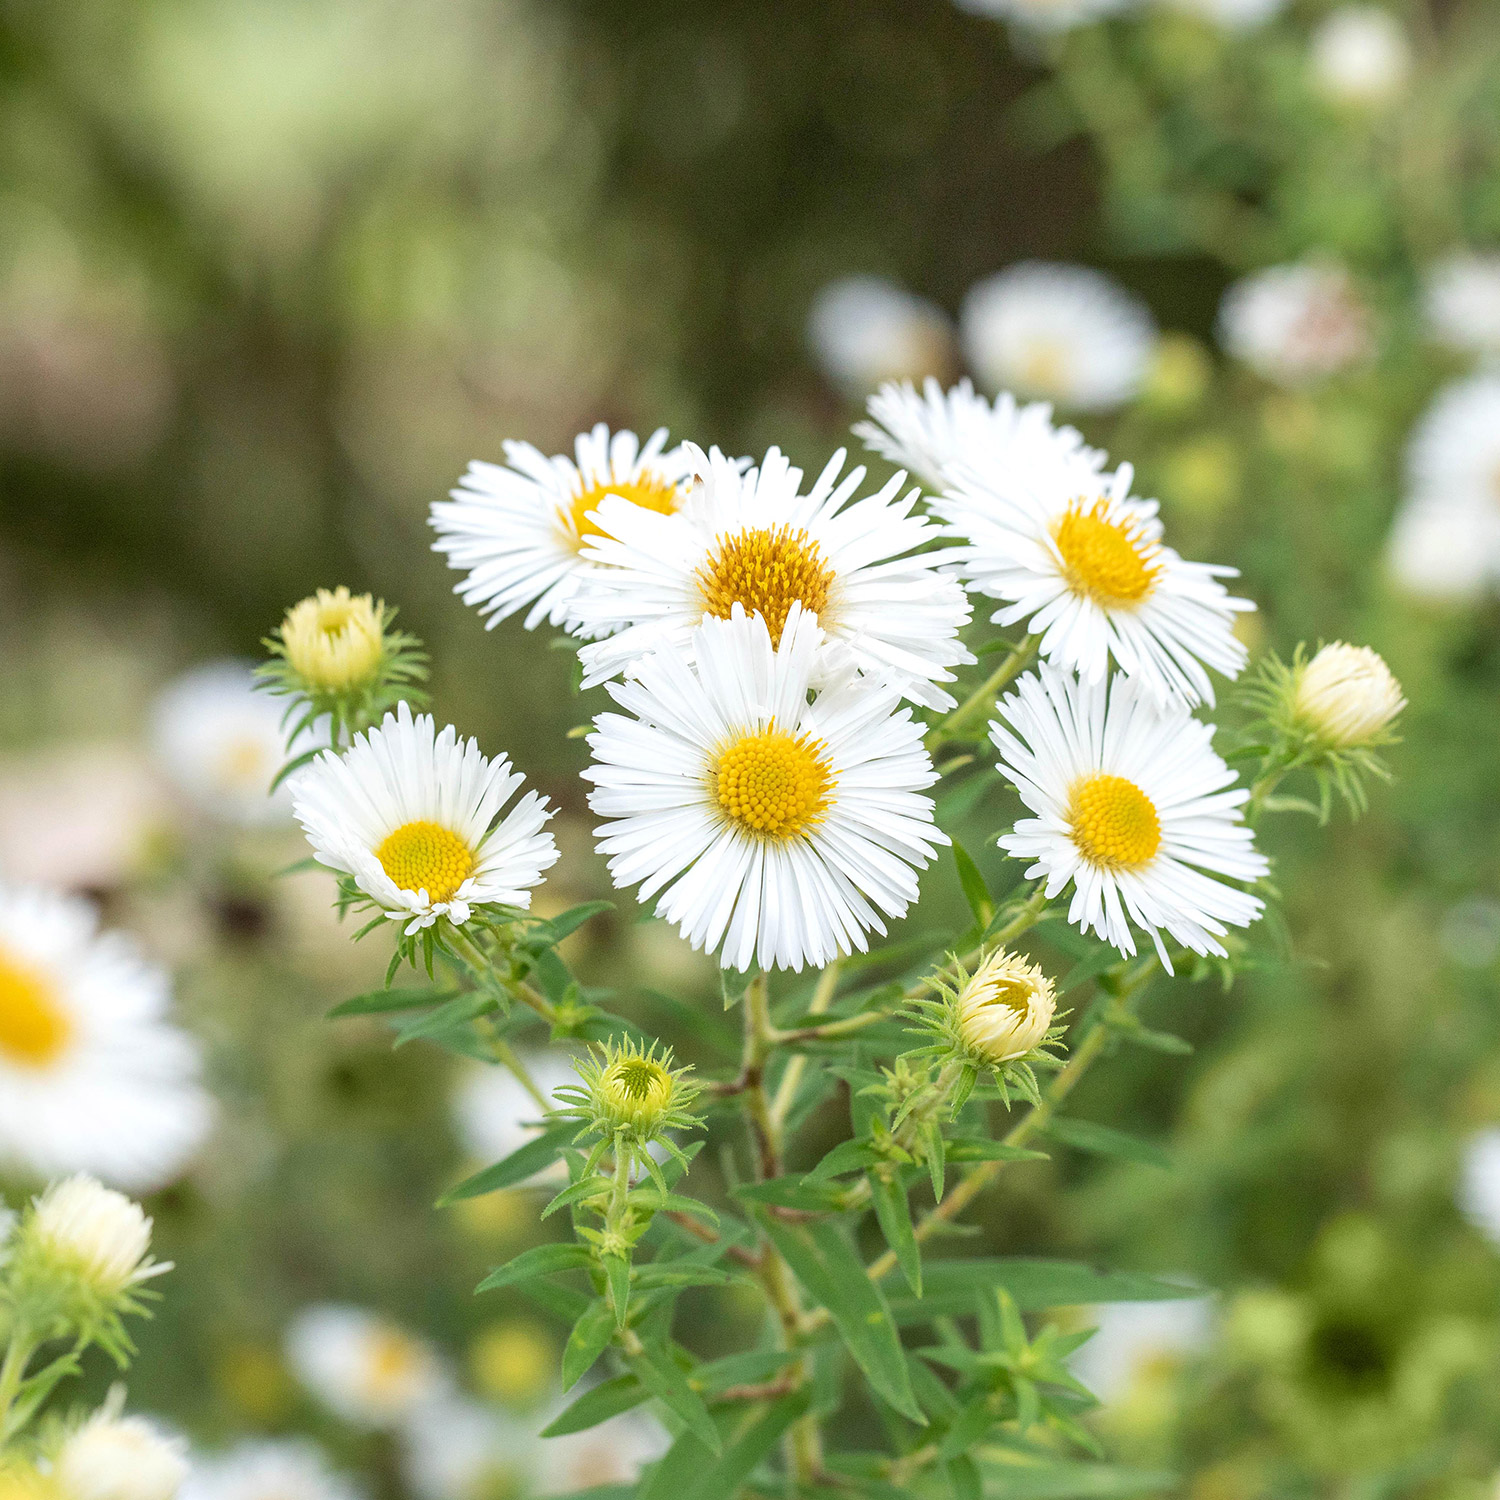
[(1108, 560), (1044, 367), (425, 856), (394, 1361), (649, 491), (244, 765), (766, 571), (774, 785), (1013, 994), (1114, 823), (35, 1029)]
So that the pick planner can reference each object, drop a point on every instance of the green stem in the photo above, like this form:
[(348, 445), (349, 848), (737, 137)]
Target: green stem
[(12, 1373), (465, 948), (982, 699)]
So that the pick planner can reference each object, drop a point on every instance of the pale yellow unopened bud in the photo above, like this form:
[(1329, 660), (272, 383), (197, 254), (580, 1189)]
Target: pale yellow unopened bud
[(333, 640), (120, 1458), (1006, 1008), (1346, 695), (636, 1090), (94, 1233)]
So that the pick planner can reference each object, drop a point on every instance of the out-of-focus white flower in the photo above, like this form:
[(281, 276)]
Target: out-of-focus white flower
[(1232, 15), (611, 1453), (220, 744), (1461, 298), (1044, 15), (1454, 450), (92, 1076), (95, 1235), (1296, 323), (457, 1449), (1361, 56), (1134, 1338), (1442, 550), (865, 330), (112, 1457), (283, 1470), (361, 1366), (1067, 334), (1479, 1183), (492, 1111)]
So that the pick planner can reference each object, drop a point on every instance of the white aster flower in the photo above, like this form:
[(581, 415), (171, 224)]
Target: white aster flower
[(1361, 56), (1232, 15), (361, 1366), (940, 434), (519, 530), (1073, 554), (780, 828), (1479, 1183), (1044, 15), (457, 1449), (93, 1078), (94, 1234), (1132, 808), (493, 1113), (1133, 1340), (1454, 450), (288, 1469), (1461, 300), (752, 541), (1445, 549), (220, 744), (612, 1453), (1065, 333), (864, 330), (1295, 324), (114, 1457), (411, 814)]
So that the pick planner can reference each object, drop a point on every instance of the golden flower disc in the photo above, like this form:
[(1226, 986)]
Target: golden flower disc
[(1113, 822), (774, 785), (35, 1029), (1108, 560), (649, 491), (425, 856), (766, 571)]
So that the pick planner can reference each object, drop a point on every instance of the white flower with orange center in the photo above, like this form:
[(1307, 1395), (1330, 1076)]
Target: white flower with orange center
[(940, 435), (1082, 563), (751, 540), (412, 814), (780, 828), (1132, 808), (93, 1078), (520, 530), (361, 1366)]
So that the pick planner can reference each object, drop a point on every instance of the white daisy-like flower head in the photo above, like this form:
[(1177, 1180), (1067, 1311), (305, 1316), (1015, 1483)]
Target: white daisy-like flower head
[(1044, 15), (1133, 1340), (114, 1457), (519, 529), (1298, 323), (457, 1449), (1454, 450), (1461, 300), (751, 540), (1132, 807), (411, 814), (93, 1078), (780, 828), (1073, 554), (1445, 549), (1063, 333), (1361, 57), (1479, 1183), (612, 1453), (361, 1366), (1232, 15), (285, 1469), (939, 434), (220, 744), (864, 330), (94, 1234)]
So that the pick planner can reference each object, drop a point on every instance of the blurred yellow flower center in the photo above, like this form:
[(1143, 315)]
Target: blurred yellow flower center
[(425, 856), (1108, 560), (649, 491), (333, 640), (512, 1362), (394, 1361), (244, 764), (766, 572), (773, 784), (1044, 367), (1114, 823), (34, 1028)]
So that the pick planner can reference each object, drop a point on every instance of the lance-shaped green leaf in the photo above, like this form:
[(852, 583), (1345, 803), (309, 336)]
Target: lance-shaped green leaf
[(682, 1273), (980, 1148), (893, 1212), (976, 892), (664, 1378), (963, 1478), (590, 1336), (827, 1265), (525, 1162), (540, 1260), (792, 1192), (1104, 1140), (383, 1001), (691, 1470), (949, 1286), (551, 932), (599, 1405), (617, 1272), (458, 1011), (847, 1156)]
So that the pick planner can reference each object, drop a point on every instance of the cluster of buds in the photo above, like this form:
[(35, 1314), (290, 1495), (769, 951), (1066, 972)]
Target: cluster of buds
[(337, 655)]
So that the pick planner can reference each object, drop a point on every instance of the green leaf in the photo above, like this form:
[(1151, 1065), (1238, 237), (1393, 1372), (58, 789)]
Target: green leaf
[(740, 1369), (1158, 1041), (541, 1260), (586, 1187), (522, 1163), (551, 932), (826, 1264), (963, 1478), (458, 1011), (792, 1192), (1104, 1140), (968, 1428), (599, 1405), (981, 1148), (590, 1337), (1027, 1479), (617, 1269), (691, 1470), (663, 1377), (1102, 958), (682, 1273), (976, 892), (949, 1286), (893, 1212), (847, 1156), (381, 1002)]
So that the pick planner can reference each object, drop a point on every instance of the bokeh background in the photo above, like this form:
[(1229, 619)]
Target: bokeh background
[(273, 271)]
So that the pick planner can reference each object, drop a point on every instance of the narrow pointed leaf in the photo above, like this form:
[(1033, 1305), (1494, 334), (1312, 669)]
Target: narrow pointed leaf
[(692, 1470), (525, 1162), (381, 1002), (1104, 1140), (893, 1211), (663, 1377), (599, 1405), (590, 1336), (617, 1269), (541, 1260)]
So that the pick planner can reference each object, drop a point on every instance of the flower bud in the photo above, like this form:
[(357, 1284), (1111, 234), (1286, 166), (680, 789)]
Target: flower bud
[(334, 640), (1005, 1008), (90, 1234), (1346, 696), (624, 1088), (120, 1458)]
